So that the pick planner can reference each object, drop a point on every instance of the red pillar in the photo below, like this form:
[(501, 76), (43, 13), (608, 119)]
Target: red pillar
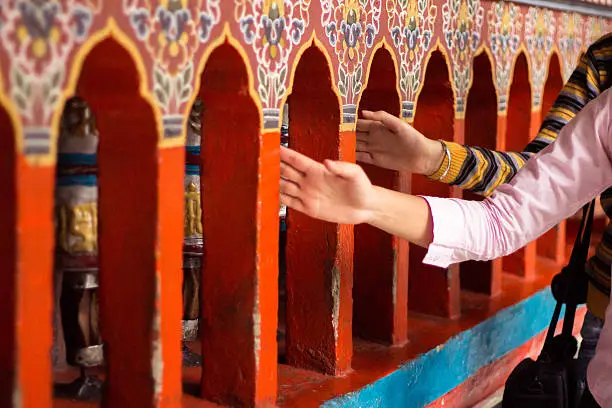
[(240, 193), (140, 236), (319, 254)]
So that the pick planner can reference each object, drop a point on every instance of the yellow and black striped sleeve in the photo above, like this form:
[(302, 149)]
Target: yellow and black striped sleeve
[(482, 170)]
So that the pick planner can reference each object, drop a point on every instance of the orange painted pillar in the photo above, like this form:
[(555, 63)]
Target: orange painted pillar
[(239, 191), (26, 283)]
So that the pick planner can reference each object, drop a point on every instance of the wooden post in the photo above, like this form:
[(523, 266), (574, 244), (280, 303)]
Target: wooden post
[(140, 213), (240, 190)]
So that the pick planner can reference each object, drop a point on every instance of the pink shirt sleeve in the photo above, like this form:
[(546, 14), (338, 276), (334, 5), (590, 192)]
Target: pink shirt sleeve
[(550, 187)]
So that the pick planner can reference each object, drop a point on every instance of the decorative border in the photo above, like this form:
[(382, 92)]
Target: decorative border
[(165, 39), (422, 381)]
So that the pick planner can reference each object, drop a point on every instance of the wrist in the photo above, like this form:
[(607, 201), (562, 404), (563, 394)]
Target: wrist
[(434, 157), (375, 205)]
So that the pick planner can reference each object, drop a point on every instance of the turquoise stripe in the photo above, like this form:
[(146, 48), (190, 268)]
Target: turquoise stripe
[(87, 180), (435, 373), (192, 169), (193, 149), (76, 159)]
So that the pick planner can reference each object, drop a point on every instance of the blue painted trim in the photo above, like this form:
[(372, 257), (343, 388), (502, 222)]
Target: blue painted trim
[(193, 149), (87, 180), (435, 373), (76, 159), (192, 169)]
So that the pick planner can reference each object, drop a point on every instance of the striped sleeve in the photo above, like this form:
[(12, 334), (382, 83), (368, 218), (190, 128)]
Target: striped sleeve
[(482, 171)]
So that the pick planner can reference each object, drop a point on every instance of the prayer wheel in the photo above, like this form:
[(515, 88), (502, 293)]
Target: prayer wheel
[(76, 254)]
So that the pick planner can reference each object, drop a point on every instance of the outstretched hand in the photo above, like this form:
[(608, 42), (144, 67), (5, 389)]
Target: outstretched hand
[(386, 141), (334, 191)]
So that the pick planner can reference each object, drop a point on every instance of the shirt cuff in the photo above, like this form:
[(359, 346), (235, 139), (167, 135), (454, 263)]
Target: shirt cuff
[(448, 233)]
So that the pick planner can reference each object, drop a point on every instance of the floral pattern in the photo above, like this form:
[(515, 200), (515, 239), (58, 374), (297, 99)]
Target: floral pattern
[(273, 28), (539, 39), (462, 25), (411, 25), (172, 31), (505, 23), (595, 28), (570, 42), (351, 26), (38, 38)]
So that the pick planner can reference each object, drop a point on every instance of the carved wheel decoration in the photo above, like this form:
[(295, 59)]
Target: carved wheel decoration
[(462, 25), (351, 27), (273, 28), (505, 23), (570, 42), (38, 38), (411, 24), (539, 38)]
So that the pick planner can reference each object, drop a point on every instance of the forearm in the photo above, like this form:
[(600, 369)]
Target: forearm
[(482, 170), (403, 215)]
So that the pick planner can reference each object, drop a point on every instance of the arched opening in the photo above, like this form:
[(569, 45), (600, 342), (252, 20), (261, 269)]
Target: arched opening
[(193, 241), (78, 339), (552, 244), (8, 260), (519, 107), (318, 277), (128, 224), (433, 290), (380, 260), (481, 131), (239, 296), (518, 135)]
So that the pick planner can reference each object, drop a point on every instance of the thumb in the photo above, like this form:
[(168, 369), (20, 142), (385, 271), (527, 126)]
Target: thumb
[(341, 169), (390, 121)]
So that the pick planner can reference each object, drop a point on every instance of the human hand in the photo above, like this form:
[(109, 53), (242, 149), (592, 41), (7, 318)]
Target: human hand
[(386, 141), (335, 191)]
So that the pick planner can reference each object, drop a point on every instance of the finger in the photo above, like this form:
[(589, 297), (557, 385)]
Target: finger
[(289, 188), (362, 146), (341, 169), (364, 157), (292, 202), (363, 136), (290, 173), (364, 125), (296, 160), (390, 121)]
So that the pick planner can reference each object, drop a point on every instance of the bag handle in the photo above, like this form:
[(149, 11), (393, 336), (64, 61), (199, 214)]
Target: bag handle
[(569, 287)]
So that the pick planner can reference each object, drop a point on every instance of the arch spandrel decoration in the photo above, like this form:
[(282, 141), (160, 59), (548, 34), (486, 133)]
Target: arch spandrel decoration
[(272, 31), (540, 34), (170, 36), (570, 41), (411, 26), (350, 30), (462, 23), (39, 40), (505, 34)]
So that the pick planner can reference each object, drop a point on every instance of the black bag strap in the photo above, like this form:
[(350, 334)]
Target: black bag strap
[(569, 287)]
